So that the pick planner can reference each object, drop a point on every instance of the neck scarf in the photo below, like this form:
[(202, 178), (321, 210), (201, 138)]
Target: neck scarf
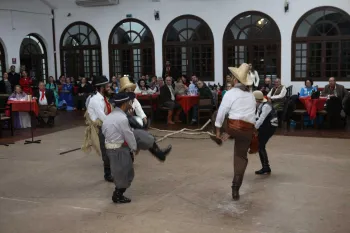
[(42, 95), (109, 109)]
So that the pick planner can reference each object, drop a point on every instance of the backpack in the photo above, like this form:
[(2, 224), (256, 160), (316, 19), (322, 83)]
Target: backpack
[(271, 117)]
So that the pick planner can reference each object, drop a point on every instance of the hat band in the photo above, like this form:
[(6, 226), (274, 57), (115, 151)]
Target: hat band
[(99, 84), (122, 100)]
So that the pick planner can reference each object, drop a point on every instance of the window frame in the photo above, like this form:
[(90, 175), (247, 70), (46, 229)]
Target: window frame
[(2, 60)]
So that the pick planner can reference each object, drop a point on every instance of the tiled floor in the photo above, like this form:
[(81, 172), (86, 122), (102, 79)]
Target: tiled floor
[(42, 191)]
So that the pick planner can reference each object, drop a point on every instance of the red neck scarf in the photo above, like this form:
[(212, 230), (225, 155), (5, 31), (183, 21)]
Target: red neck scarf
[(109, 109), (42, 95)]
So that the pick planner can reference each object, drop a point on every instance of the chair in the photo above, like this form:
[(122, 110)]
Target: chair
[(205, 106), (8, 119), (161, 108), (289, 91)]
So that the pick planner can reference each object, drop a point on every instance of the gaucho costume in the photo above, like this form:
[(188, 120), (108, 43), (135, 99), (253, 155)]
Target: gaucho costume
[(239, 104)]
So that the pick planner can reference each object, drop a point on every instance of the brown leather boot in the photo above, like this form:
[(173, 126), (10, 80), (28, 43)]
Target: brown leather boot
[(177, 116), (236, 184), (170, 117)]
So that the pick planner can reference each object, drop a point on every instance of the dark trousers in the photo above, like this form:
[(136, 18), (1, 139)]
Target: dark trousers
[(80, 101), (265, 133), (105, 159)]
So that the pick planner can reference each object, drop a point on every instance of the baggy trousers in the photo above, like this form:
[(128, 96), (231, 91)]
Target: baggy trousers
[(105, 159)]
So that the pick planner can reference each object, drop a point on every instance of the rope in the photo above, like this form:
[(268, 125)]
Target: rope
[(182, 131)]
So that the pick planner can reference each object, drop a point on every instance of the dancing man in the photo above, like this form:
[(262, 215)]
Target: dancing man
[(97, 110), (121, 140), (239, 104)]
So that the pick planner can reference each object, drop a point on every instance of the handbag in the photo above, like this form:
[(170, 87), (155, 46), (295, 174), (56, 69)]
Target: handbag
[(254, 144)]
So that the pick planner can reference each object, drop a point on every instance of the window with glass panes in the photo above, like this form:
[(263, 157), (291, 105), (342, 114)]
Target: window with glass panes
[(188, 45), (33, 56), (253, 37), (321, 45), (80, 51), (131, 49)]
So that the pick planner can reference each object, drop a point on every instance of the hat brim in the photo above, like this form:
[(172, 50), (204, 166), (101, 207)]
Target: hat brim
[(129, 85), (100, 84), (128, 96), (246, 81)]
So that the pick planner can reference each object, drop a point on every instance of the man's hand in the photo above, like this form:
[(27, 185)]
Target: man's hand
[(145, 121)]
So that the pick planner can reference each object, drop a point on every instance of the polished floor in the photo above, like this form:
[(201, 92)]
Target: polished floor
[(42, 191)]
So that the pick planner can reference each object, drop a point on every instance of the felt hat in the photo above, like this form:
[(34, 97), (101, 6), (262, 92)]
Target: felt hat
[(99, 81), (125, 83), (122, 97), (259, 96), (241, 73)]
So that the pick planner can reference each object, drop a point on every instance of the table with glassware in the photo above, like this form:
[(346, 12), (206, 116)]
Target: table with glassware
[(187, 102)]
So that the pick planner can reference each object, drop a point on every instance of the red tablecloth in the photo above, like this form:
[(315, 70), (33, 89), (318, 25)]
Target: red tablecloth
[(154, 98), (187, 101), (24, 106), (312, 106)]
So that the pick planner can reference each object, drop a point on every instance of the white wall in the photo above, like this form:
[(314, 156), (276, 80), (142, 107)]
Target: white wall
[(14, 29)]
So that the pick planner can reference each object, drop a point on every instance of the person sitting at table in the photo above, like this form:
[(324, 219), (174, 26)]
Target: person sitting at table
[(51, 85), (26, 83), (204, 93), (167, 99), (277, 95), (265, 87), (308, 89), (192, 88), (180, 87), (153, 84), (143, 88), (5, 85), (22, 119), (127, 86), (160, 83), (84, 90), (185, 80), (66, 96), (228, 87), (47, 105)]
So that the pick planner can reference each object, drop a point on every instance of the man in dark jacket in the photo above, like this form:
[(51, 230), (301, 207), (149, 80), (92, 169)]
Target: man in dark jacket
[(334, 89), (5, 85), (167, 99), (14, 77), (47, 107)]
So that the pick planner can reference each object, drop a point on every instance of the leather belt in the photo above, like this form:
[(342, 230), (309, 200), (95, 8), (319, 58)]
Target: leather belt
[(239, 125)]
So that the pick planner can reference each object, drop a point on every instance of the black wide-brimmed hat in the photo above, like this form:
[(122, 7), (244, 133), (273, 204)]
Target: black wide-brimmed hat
[(122, 97), (99, 81)]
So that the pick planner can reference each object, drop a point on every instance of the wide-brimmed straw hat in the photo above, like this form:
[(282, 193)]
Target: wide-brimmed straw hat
[(99, 81), (241, 73), (125, 83), (259, 96)]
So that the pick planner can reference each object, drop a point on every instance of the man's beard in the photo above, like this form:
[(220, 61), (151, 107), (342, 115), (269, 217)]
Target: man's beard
[(107, 94)]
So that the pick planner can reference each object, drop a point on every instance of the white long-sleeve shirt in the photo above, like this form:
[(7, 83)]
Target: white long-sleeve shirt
[(280, 96), (265, 110), (254, 76), (239, 105), (148, 91), (138, 109), (96, 107)]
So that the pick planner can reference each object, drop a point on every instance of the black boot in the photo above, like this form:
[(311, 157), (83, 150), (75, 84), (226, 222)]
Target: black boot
[(236, 184), (108, 177), (158, 153), (118, 196), (265, 164)]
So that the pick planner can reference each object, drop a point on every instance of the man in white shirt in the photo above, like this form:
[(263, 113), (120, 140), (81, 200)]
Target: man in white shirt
[(47, 107), (97, 112), (277, 95), (239, 104)]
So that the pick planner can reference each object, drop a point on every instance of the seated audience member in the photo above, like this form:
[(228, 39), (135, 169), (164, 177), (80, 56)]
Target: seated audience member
[(334, 89), (26, 83), (51, 85), (61, 80), (185, 80), (22, 119), (192, 88), (277, 95), (180, 87), (5, 85), (153, 84), (307, 90), (204, 93), (228, 87), (84, 90), (47, 105), (160, 83), (346, 104), (266, 87), (66, 96), (167, 99), (143, 88), (116, 83)]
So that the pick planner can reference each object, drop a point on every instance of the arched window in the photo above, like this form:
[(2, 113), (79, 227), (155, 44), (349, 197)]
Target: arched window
[(188, 45), (131, 49), (80, 51), (33, 57), (321, 45), (2, 61), (253, 37)]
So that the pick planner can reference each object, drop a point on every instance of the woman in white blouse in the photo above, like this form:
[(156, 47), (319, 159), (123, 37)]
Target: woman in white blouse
[(254, 76), (22, 119), (143, 88)]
